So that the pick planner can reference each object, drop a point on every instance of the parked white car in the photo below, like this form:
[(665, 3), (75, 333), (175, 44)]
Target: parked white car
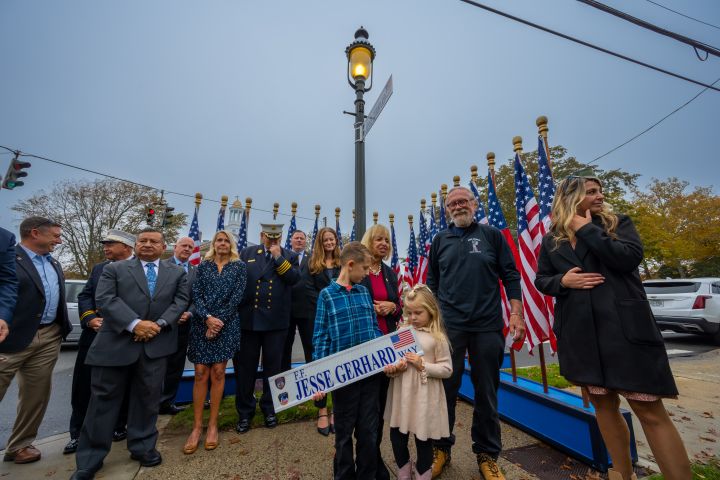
[(72, 290), (687, 305)]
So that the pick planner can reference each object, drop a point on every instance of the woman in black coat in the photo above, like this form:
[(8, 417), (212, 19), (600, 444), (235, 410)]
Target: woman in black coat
[(322, 268), (383, 286), (608, 341)]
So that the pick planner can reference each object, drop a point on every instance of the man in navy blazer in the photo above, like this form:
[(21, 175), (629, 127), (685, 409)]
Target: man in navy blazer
[(39, 324), (8, 281)]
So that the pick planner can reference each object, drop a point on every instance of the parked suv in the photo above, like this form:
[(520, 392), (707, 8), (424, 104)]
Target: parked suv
[(72, 290), (688, 305)]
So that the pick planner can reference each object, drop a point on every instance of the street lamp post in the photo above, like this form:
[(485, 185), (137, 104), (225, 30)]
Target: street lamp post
[(360, 55)]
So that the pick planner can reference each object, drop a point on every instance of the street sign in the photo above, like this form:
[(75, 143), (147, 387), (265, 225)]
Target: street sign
[(379, 105)]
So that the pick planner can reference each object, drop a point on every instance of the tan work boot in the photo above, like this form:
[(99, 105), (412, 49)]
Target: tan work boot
[(488, 467), (440, 459), (615, 475)]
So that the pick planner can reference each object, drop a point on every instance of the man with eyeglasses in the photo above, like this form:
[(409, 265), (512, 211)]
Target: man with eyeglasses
[(39, 324), (466, 262)]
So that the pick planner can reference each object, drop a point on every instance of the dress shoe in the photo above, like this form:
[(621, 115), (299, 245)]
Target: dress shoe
[(150, 458), (191, 448), (119, 434), (71, 446), (27, 454), (271, 421), (243, 425), (170, 409), (488, 467), (82, 475), (440, 459)]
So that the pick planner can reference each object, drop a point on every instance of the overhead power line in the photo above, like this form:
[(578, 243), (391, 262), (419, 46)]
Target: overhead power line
[(587, 44), (653, 125), (683, 15), (95, 172), (642, 23)]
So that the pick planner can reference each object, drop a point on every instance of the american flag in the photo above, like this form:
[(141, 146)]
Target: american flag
[(339, 235), (411, 262), (433, 230), (480, 216), (352, 233), (529, 240), (195, 235), (394, 260), (314, 234), (497, 220), (220, 220), (242, 233), (442, 220), (291, 230), (424, 253), (546, 186), (402, 339)]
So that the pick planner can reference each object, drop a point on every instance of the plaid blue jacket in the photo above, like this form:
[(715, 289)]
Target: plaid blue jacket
[(344, 319)]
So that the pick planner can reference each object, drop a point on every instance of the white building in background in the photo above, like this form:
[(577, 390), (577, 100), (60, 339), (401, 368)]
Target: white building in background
[(235, 214)]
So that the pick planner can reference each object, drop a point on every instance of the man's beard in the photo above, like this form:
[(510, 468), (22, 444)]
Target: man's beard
[(462, 220)]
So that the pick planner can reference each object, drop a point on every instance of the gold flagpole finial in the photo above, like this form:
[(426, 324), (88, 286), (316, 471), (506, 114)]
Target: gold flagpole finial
[(223, 201), (517, 144), (443, 191), (392, 218), (433, 200), (456, 181), (423, 205), (198, 199), (293, 208), (337, 214), (410, 220), (474, 174), (317, 211), (276, 208), (375, 218), (542, 124), (491, 160)]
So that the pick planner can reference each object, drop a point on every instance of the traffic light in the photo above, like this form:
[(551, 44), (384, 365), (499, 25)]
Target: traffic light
[(15, 171), (167, 215), (150, 215)]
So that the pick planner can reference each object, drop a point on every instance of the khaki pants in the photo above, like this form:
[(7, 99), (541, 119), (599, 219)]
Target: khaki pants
[(34, 369)]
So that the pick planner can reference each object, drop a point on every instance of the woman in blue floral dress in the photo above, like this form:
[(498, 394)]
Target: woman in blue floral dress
[(214, 330)]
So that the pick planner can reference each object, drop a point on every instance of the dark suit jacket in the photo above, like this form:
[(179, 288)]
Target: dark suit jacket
[(606, 335), (86, 305), (268, 296), (314, 284), (191, 274), (391, 285), (122, 296), (299, 308), (31, 303), (8, 277)]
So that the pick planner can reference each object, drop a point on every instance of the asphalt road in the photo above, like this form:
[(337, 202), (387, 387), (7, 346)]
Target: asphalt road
[(58, 412)]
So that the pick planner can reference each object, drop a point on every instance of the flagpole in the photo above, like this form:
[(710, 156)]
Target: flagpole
[(276, 208), (517, 147), (542, 124), (456, 181), (391, 218), (248, 206), (375, 217), (433, 200)]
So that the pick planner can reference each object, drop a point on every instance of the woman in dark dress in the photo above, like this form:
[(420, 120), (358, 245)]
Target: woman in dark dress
[(214, 330), (608, 341), (323, 268), (383, 286)]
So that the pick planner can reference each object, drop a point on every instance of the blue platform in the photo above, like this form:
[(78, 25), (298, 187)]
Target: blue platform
[(557, 417)]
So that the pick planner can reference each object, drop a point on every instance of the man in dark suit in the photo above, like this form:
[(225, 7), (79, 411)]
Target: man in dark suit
[(117, 246), (141, 301), (8, 281), (299, 314), (264, 319), (39, 324), (176, 362)]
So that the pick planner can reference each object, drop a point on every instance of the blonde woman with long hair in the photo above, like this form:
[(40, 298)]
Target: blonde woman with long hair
[(608, 342), (214, 330)]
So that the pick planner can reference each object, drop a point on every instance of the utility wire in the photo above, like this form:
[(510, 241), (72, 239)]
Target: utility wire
[(653, 125), (587, 44), (642, 23), (95, 172), (683, 15)]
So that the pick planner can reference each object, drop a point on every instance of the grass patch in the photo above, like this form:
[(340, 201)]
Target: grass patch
[(228, 417), (554, 378), (709, 470)]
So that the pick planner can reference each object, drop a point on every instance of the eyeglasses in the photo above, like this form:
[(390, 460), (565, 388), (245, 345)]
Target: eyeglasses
[(463, 202)]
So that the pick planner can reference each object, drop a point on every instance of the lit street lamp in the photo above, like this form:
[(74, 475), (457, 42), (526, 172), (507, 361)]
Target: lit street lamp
[(360, 55)]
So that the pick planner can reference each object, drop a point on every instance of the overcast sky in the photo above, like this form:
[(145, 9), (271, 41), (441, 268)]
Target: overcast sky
[(246, 98)]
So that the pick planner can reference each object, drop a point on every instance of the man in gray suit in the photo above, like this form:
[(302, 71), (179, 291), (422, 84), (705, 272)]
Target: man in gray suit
[(141, 300)]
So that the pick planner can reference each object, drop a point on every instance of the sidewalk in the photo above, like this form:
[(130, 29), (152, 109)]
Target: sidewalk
[(296, 451)]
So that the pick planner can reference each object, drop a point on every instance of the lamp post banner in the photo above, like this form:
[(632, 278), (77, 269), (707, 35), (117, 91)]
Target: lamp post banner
[(340, 369)]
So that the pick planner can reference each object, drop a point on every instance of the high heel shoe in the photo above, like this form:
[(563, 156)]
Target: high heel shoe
[(211, 445), (190, 448), (324, 431)]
